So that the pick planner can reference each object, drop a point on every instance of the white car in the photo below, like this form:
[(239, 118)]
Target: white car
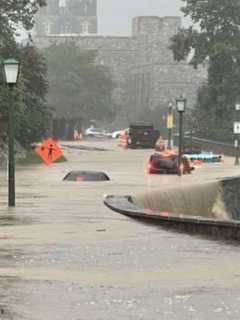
[(116, 134), (97, 132)]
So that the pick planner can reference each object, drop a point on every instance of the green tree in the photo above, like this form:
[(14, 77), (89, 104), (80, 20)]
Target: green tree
[(33, 117), (13, 15), (30, 108), (29, 96), (214, 41), (78, 87)]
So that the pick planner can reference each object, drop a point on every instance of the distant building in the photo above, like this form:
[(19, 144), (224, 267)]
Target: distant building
[(142, 65), (67, 17)]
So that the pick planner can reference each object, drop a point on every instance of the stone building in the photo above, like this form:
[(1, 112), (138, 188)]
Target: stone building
[(142, 65), (67, 17)]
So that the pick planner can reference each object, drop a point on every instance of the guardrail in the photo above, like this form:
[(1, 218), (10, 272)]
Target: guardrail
[(210, 145)]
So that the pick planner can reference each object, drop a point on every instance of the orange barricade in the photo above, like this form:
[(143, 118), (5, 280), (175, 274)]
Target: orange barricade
[(197, 163), (167, 153), (123, 140), (160, 144), (77, 135)]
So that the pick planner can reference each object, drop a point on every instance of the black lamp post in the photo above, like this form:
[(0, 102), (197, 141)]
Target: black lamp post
[(11, 70), (181, 106), (237, 132), (170, 124)]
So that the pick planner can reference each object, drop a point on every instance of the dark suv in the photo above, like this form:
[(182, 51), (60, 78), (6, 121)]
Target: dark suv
[(142, 135)]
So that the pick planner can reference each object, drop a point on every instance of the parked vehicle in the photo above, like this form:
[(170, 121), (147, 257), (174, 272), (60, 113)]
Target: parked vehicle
[(142, 135), (204, 157), (116, 134), (81, 176), (167, 163), (97, 133)]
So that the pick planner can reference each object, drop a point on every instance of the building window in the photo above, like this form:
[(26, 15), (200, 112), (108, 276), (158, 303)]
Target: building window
[(62, 3), (47, 27), (68, 28), (85, 27)]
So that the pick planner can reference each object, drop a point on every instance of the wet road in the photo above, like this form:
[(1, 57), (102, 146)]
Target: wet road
[(63, 255)]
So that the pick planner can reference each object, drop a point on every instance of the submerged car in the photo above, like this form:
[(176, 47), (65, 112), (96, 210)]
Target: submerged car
[(167, 163), (80, 176), (204, 157)]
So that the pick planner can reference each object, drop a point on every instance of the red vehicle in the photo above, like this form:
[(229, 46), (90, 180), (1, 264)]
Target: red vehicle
[(166, 162)]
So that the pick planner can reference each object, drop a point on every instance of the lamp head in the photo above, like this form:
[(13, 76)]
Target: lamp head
[(237, 106), (181, 104), (11, 70)]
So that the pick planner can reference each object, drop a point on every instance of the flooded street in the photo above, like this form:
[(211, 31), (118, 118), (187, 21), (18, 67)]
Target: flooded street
[(65, 256)]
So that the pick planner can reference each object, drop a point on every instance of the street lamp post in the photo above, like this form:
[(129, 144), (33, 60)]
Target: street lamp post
[(11, 70), (236, 145), (181, 106), (236, 130), (170, 124)]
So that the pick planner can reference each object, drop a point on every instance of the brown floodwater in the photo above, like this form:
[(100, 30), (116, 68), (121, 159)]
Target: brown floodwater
[(64, 255)]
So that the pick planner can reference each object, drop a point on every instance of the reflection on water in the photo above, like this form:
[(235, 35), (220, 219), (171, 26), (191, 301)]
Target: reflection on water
[(12, 220), (8, 299)]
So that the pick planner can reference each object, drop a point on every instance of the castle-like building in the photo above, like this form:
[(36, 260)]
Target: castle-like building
[(67, 17), (142, 65)]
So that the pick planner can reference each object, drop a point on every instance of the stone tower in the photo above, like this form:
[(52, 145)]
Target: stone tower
[(67, 17)]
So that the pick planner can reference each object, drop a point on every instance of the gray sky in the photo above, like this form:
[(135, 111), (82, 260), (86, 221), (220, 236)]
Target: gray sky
[(114, 16)]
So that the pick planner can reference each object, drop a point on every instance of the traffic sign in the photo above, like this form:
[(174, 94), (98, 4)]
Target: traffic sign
[(236, 127), (49, 151), (170, 121)]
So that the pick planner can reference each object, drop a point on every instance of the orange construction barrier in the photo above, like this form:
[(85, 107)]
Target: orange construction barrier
[(197, 163), (77, 135), (123, 140), (160, 144), (167, 153)]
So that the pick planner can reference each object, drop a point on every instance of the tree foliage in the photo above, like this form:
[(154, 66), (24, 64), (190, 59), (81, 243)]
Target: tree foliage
[(78, 87), (31, 113), (30, 108), (33, 121), (215, 41), (15, 13)]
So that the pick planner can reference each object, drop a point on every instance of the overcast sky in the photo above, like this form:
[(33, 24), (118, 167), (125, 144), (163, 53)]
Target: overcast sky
[(114, 16)]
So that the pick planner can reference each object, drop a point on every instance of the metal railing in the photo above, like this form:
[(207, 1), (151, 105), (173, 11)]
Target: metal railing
[(218, 147)]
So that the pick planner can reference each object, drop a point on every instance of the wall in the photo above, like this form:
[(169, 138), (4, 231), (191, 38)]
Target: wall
[(143, 68), (67, 17)]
